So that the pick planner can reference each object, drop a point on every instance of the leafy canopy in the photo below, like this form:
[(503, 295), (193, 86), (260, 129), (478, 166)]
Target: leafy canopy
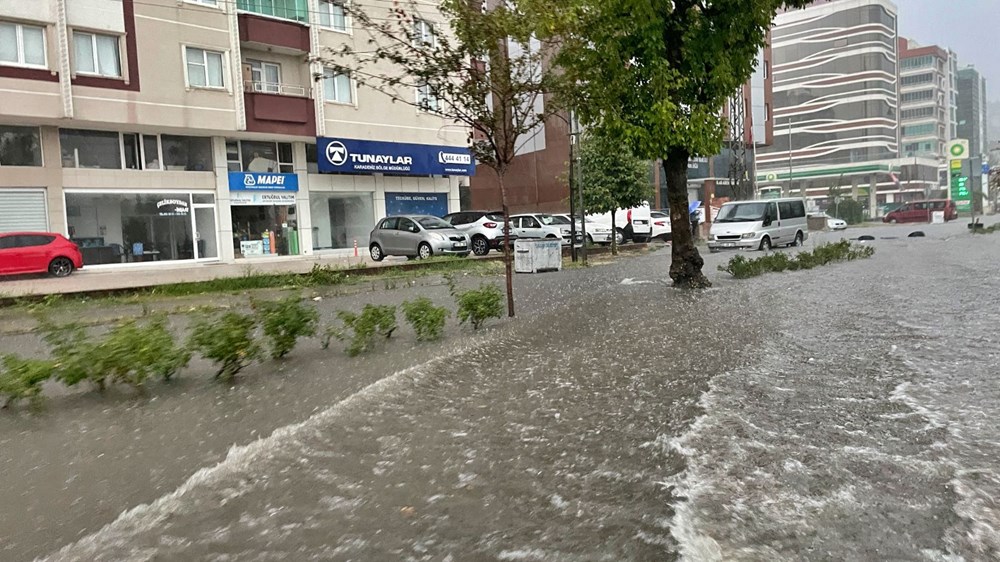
[(612, 177)]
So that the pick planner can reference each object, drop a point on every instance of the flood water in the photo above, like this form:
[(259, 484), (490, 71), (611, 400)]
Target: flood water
[(844, 413)]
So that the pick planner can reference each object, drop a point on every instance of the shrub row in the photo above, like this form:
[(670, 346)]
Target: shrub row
[(742, 268), (134, 350)]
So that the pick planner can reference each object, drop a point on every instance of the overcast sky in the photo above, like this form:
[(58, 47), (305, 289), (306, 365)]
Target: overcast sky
[(968, 27)]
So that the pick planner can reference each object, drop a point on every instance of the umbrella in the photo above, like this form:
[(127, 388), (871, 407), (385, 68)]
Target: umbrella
[(693, 206)]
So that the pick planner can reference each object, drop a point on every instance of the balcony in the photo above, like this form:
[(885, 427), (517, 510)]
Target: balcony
[(269, 33), (281, 109)]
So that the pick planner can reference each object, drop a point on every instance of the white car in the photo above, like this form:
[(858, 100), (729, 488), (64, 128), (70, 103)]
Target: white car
[(596, 233), (831, 222), (541, 225), (661, 225), (632, 224)]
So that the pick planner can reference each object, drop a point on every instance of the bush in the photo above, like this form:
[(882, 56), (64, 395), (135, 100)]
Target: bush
[(427, 320), (324, 275), (74, 354), (286, 321), (361, 329), (478, 305), (228, 341), (742, 268), (132, 352), (21, 379), (849, 210)]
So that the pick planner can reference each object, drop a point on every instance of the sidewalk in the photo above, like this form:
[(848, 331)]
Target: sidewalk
[(102, 279)]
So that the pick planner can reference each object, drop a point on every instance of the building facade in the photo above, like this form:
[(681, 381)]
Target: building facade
[(170, 130), (973, 122), (928, 96), (836, 106)]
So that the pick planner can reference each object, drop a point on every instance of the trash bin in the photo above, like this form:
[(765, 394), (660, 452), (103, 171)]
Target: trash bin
[(535, 256)]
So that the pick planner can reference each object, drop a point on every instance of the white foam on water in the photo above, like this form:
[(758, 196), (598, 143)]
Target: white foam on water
[(239, 459)]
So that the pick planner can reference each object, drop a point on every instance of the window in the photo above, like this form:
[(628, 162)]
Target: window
[(917, 130), (922, 95), (265, 76), (406, 225), (389, 223), (193, 154), (90, 149), (141, 152), (426, 99), (205, 2), (917, 79), (256, 156), (204, 68), (22, 45), (96, 54), (337, 87), (297, 10), (132, 151), (20, 146), (423, 32), (332, 15)]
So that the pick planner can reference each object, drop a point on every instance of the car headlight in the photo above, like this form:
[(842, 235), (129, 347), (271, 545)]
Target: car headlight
[(438, 236), (750, 235)]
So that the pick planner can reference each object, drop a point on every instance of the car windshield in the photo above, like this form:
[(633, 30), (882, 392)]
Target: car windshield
[(658, 215), (547, 219), (742, 212), (556, 219), (432, 223)]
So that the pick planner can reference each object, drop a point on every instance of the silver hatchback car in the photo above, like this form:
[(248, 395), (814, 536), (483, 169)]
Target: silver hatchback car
[(416, 236)]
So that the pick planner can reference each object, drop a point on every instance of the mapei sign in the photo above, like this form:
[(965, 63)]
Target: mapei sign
[(353, 156), (262, 181)]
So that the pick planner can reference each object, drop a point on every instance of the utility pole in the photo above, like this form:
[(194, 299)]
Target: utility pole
[(574, 140), (572, 191)]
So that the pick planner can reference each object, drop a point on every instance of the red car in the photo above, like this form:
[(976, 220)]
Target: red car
[(38, 252), (920, 211)]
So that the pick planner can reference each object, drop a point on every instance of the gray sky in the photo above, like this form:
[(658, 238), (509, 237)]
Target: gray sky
[(968, 27)]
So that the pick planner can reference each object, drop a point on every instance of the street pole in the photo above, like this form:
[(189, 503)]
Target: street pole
[(583, 218), (572, 191), (789, 189), (972, 191)]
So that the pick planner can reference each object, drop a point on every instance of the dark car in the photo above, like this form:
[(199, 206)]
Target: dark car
[(38, 252)]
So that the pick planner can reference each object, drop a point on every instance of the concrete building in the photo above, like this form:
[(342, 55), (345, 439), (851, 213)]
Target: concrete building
[(928, 98), (973, 123), (167, 130), (836, 106)]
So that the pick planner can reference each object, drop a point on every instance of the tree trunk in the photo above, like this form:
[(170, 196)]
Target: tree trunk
[(614, 234), (508, 265), (685, 261)]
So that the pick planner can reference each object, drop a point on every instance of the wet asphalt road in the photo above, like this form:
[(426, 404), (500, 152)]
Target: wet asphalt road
[(843, 413)]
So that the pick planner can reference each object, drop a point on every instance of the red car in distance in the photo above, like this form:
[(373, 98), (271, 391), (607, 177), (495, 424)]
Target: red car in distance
[(38, 252)]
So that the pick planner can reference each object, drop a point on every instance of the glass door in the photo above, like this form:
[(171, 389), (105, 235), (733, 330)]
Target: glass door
[(205, 234)]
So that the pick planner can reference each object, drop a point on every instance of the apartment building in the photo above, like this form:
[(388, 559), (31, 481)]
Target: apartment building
[(836, 105), (928, 98), (203, 130)]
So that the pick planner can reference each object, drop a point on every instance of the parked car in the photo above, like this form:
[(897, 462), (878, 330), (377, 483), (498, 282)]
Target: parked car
[(759, 224), (632, 224), (416, 236), (921, 211), (38, 252), (485, 229), (542, 225), (660, 221), (596, 233), (831, 222)]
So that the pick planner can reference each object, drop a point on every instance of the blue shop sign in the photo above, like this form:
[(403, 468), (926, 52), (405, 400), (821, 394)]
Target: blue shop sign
[(434, 204), (354, 156), (262, 181)]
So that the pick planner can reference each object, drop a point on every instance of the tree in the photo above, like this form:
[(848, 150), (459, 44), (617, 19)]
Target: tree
[(612, 178), (483, 71), (657, 74)]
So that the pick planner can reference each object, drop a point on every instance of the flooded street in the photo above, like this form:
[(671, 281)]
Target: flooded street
[(843, 413)]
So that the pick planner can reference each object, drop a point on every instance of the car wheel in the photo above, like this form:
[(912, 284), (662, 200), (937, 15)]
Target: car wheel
[(798, 239), (619, 237), (480, 246), (590, 240), (424, 251), (551, 237), (60, 267), (376, 252), (892, 221), (765, 244)]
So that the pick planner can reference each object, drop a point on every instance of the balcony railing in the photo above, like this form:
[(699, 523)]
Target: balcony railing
[(273, 88), (295, 10)]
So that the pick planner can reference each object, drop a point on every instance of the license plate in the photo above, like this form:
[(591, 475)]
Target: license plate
[(458, 246), (729, 245)]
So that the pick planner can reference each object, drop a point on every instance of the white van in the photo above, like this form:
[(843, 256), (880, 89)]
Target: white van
[(760, 224), (633, 224)]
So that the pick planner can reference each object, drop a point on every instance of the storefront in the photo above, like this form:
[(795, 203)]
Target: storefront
[(264, 213), (116, 227)]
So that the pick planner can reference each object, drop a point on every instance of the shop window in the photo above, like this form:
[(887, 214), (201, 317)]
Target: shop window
[(187, 153), (20, 146), (312, 166), (256, 156), (113, 228), (340, 219), (96, 54), (264, 227)]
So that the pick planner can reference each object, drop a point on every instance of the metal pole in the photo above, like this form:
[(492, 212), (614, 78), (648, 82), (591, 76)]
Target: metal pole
[(789, 189), (572, 191), (972, 191), (583, 220)]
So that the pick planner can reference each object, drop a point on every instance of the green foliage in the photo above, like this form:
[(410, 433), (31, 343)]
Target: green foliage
[(321, 275), (21, 379), (360, 330), (476, 306), (286, 321), (612, 177), (851, 211), (228, 341), (132, 352), (742, 268), (427, 320), (73, 353)]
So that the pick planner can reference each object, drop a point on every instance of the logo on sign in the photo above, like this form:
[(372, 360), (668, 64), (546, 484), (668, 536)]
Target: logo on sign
[(249, 181), (452, 158), (336, 153)]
